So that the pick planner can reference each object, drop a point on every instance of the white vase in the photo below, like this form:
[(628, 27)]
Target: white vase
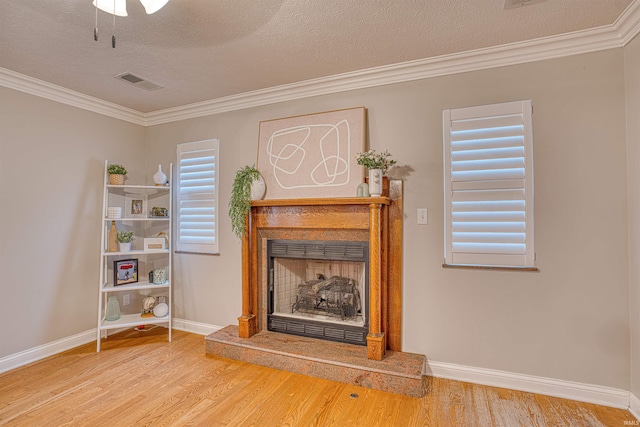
[(124, 247), (159, 178), (258, 188), (375, 182)]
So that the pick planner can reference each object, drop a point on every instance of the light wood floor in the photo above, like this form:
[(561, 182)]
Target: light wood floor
[(140, 379)]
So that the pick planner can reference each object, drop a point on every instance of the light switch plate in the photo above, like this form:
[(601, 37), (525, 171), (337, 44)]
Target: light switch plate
[(423, 216)]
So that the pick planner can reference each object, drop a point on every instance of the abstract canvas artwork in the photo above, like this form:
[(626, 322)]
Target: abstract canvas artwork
[(312, 155)]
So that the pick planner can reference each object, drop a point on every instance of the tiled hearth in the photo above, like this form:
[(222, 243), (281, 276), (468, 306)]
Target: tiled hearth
[(398, 372)]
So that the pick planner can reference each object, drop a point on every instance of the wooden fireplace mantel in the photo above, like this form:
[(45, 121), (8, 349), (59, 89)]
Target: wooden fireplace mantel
[(375, 219)]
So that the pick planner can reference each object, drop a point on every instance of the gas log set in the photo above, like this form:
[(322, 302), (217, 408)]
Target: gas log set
[(336, 296)]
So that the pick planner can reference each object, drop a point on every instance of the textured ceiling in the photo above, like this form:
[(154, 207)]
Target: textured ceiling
[(200, 50)]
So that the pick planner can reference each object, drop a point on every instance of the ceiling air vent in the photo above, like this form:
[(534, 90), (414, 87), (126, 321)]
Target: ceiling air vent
[(512, 4), (138, 81)]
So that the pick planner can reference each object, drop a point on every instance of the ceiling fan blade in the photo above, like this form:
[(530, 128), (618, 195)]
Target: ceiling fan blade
[(108, 6)]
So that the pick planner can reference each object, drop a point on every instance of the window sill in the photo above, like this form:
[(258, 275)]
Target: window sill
[(196, 253), (483, 267)]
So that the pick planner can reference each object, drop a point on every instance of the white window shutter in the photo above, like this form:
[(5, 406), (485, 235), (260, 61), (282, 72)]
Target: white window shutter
[(197, 197), (488, 168)]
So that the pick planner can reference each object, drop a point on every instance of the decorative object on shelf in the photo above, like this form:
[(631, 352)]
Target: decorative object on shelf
[(258, 188), (165, 236), (125, 271), (152, 244), (125, 238), (113, 309), (312, 155), (114, 212), (161, 309), (147, 307), (240, 202), (159, 276), (375, 182), (377, 165), (362, 190), (116, 174), (156, 211), (135, 206), (113, 238), (159, 178)]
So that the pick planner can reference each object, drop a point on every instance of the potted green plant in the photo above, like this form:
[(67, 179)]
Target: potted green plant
[(124, 240), (377, 165), (116, 174), (241, 196)]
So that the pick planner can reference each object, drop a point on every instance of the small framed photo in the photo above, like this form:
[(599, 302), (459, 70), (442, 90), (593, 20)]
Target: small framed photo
[(135, 206), (125, 271)]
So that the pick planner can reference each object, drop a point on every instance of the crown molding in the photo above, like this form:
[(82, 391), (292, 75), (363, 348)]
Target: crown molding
[(628, 24), (616, 35), (32, 86), (611, 36)]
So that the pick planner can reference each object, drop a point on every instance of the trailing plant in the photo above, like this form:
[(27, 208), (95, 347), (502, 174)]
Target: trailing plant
[(372, 160), (240, 202), (116, 170), (125, 236)]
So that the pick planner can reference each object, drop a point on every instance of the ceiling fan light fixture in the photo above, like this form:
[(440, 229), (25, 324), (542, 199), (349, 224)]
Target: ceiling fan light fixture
[(152, 6), (108, 6)]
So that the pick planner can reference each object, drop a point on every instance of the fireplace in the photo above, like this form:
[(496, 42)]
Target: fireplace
[(319, 289), (325, 249), (324, 287)]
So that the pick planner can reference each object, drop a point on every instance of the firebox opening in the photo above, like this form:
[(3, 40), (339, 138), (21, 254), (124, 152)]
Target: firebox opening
[(319, 289)]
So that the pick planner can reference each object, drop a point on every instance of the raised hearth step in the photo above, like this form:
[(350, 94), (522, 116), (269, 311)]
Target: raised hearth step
[(398, 372)]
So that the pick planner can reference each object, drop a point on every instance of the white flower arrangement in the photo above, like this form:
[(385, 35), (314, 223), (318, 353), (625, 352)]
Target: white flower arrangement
[(372, 160)]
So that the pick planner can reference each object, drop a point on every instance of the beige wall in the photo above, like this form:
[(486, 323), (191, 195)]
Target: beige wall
[(632, 89), (51, 170), (570, 320)]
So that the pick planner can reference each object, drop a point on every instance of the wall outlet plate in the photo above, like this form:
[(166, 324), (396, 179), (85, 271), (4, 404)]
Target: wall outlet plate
[(126, 299)]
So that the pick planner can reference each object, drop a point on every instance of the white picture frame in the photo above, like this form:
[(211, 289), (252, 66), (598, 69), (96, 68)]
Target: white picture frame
[(135, 206)]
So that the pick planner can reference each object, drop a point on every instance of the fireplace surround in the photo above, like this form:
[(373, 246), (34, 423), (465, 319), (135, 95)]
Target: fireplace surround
[(374, 220)]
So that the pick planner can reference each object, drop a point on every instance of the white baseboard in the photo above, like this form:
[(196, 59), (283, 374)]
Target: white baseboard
[(25, 357), (634, 406), (34, 354), (600, 395), (194, 327)]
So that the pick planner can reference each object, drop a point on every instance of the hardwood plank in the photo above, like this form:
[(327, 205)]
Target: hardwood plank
[(141, 379)]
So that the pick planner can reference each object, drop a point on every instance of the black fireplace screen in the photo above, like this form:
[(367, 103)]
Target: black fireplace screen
[(319, 289)]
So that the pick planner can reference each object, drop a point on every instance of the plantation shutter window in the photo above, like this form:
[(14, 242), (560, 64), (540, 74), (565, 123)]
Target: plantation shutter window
[(197, 197), (488, 175)]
